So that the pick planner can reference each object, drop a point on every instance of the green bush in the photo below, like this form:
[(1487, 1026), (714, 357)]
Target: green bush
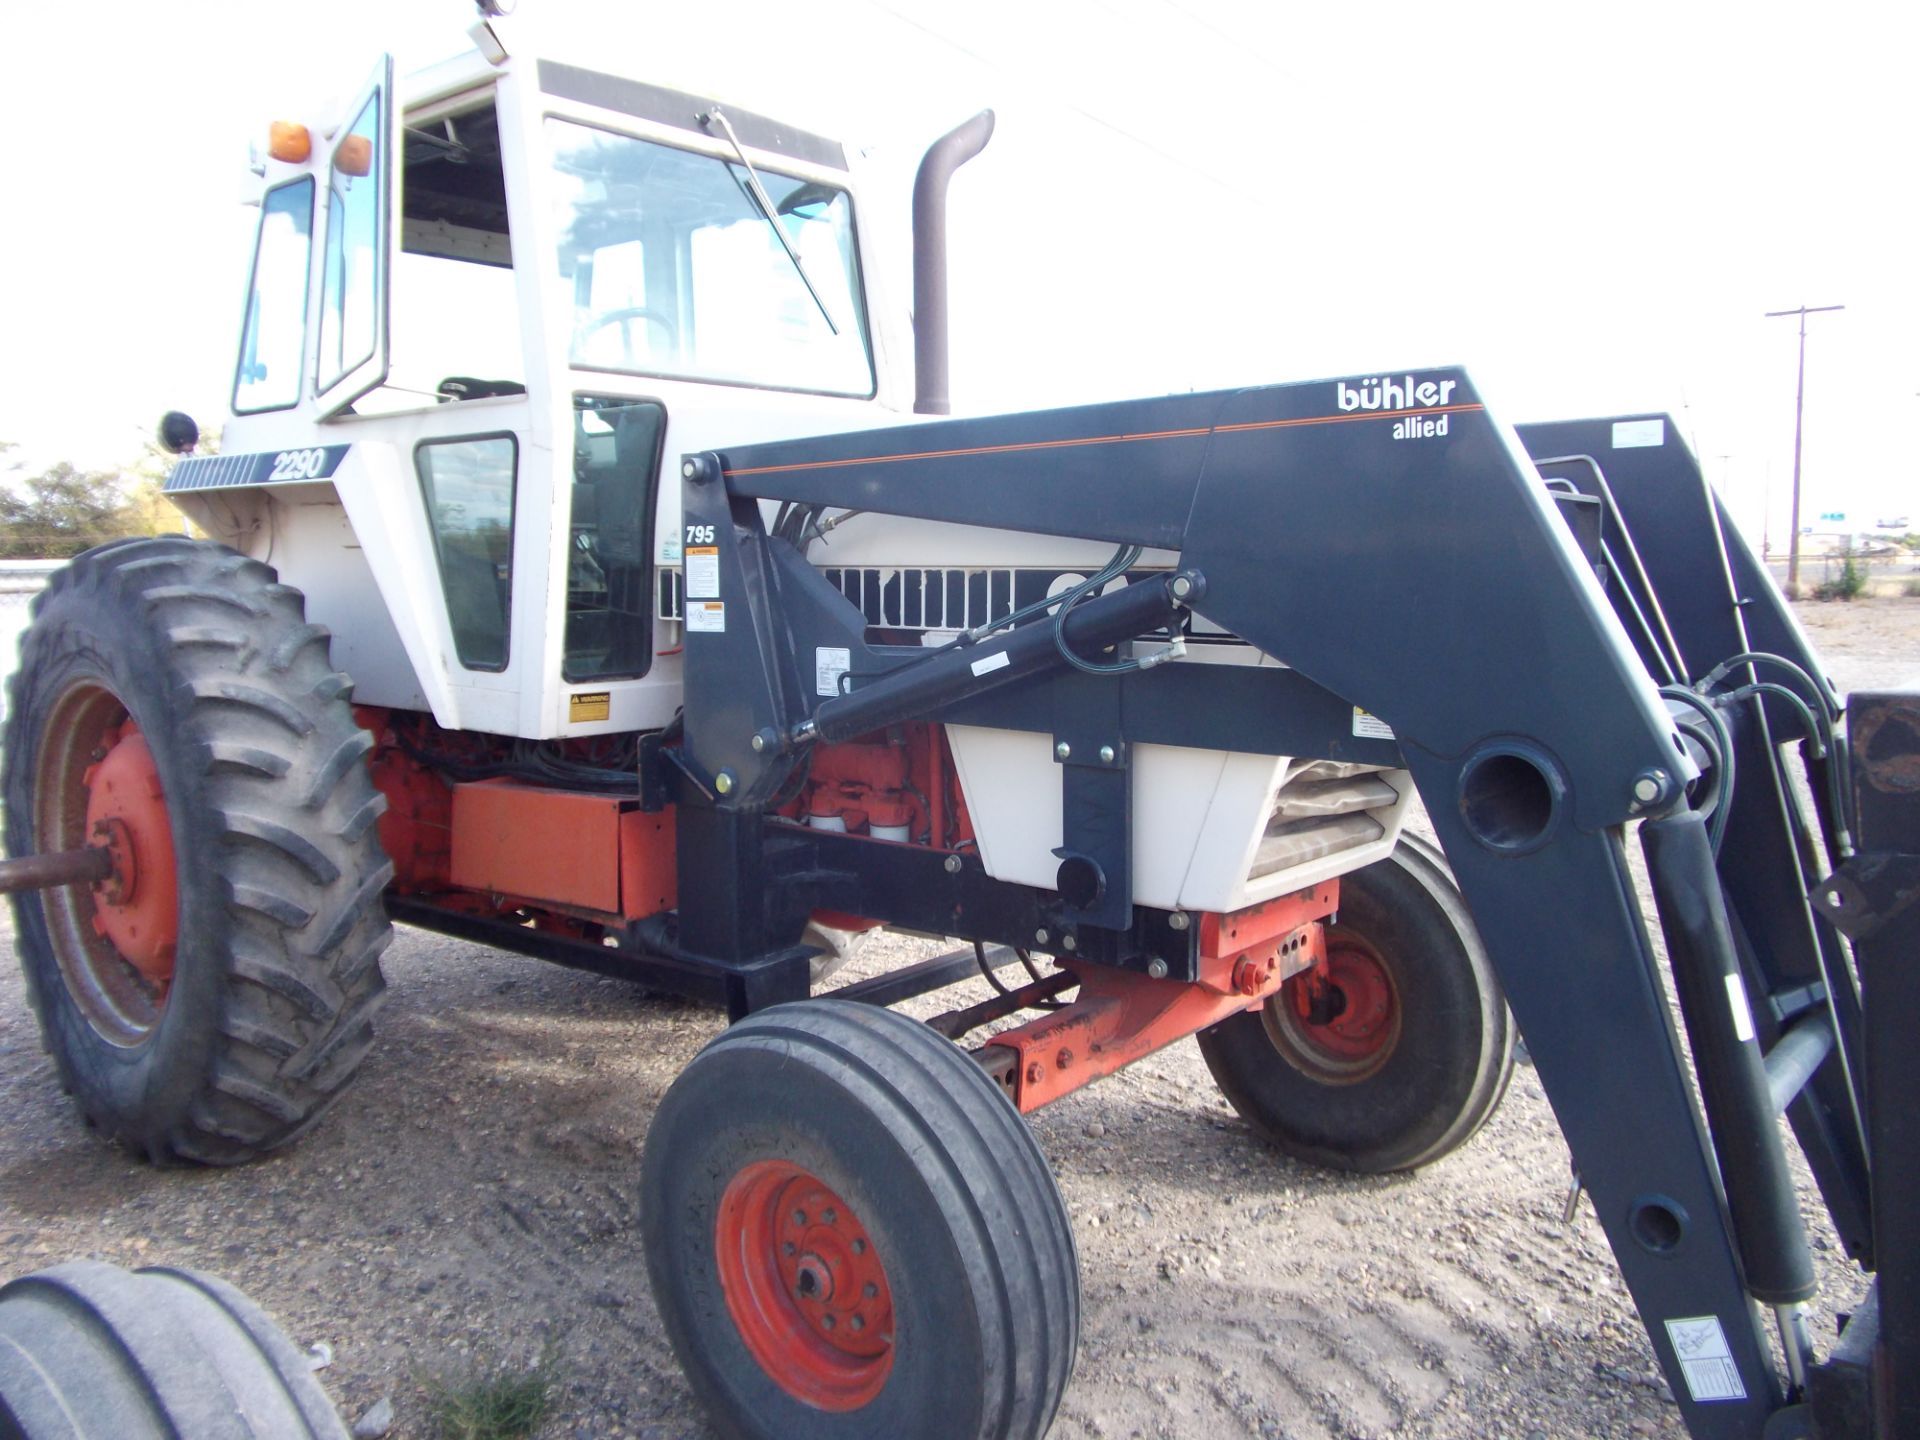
[(1849, 584)]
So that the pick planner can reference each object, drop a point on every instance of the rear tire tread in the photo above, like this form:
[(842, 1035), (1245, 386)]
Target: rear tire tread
[(275, 812)]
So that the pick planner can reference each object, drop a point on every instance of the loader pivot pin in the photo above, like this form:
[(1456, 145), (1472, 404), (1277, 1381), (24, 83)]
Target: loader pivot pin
[(804, 1285)]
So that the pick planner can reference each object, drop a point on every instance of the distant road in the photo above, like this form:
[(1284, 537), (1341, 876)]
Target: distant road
[(1817, 568), (20, 581)]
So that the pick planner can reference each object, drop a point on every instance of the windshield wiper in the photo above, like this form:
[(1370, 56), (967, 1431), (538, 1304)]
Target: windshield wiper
[(759, 192)]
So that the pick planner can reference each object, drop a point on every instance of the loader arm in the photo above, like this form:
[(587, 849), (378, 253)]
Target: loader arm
[(1391, 543)]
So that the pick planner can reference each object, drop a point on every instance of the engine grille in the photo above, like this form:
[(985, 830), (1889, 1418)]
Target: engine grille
[(914, 599), (1322, 808)]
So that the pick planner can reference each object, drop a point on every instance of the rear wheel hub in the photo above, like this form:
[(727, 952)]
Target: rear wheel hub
[(97, 785), (137, 908)]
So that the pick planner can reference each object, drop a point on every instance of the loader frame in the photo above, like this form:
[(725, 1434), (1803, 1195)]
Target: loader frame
[(1521, 702)]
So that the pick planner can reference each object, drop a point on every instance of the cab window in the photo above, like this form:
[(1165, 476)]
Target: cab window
[(468, 487), (350, 283), (455, 311), (275, 336), (616, 469), (669, 266)]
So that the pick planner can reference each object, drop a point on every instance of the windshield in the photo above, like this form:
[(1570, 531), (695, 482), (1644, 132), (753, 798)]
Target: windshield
[(670, 268)]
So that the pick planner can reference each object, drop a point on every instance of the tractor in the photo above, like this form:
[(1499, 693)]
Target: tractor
[(593, 570)]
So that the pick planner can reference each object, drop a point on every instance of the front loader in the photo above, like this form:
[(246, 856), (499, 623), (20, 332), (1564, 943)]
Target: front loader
[(578, 584)]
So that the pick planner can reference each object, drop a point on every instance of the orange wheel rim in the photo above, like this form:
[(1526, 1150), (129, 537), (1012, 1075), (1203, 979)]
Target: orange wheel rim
[(1338, 1023), (805, 1286), (97, 785)]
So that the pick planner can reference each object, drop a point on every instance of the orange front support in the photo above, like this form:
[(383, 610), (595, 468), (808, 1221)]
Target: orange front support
[(1261, 926), (1118, 1016), (649, 874)]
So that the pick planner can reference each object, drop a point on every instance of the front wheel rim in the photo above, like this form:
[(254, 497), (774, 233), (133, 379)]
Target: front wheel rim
[(805, 1286), (1354, 1043)]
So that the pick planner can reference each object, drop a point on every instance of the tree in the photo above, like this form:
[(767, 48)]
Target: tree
[(63, 510)]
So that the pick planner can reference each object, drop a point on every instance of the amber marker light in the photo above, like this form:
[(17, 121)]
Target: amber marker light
[(355, 156), (288, 140)]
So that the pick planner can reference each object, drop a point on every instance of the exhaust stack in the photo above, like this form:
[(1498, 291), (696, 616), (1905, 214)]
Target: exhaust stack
[(943, 157)]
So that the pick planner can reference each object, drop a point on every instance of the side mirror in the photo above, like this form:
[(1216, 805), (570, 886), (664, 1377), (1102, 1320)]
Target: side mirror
[(179, 435)]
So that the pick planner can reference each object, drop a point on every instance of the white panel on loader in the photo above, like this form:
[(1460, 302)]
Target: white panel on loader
[(1199, 819)]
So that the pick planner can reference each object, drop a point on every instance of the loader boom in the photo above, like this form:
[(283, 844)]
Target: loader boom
[(1403, 563)]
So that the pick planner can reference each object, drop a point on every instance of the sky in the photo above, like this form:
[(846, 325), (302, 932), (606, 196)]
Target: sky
[(1590, 206)]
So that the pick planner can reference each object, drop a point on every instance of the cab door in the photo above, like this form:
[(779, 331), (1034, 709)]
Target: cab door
[(354, 276)]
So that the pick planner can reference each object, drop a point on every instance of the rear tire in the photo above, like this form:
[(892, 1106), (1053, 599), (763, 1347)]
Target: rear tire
[(1418, 1058), (222, 1026), (88, 1351), (931, 1288)]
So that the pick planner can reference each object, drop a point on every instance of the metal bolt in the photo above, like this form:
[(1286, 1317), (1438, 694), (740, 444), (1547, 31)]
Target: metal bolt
[(1649, 786), (1062, 750), (1181, 587), (826, 1321), (1178, 920), (1067, 942), (759, 743), (1064, 1059), (1040, 936), (1157, 968), (688, 470), (829, 1217), (799, 1217), (1106, 754), (859, 1322), (723, 782), (951, 865), (1036, 1073)]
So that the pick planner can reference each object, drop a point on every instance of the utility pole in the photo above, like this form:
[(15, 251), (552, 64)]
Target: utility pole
[(1799, 404)]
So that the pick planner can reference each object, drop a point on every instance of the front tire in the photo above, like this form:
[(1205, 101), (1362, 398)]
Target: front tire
[(89, 1350), (1411, 1056), (851, 1233), (216, 995)]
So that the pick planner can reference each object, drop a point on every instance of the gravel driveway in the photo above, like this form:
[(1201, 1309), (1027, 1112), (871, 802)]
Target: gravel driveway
[(472, 1200)]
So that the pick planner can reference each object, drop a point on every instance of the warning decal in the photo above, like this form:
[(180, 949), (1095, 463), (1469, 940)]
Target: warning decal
[(1634, 434), (706, 617), (830, 662), (1706, 1361), (1371, 726), (702, 567)]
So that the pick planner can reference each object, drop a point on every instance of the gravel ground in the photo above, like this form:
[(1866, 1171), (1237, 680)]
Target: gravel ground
[(471, 1202)]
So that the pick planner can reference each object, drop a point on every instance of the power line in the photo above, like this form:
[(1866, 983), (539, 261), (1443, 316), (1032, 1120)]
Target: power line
[(1799, 403)]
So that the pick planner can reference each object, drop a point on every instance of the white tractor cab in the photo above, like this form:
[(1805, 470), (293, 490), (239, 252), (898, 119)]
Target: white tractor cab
[(482, 310), (488, 315)]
